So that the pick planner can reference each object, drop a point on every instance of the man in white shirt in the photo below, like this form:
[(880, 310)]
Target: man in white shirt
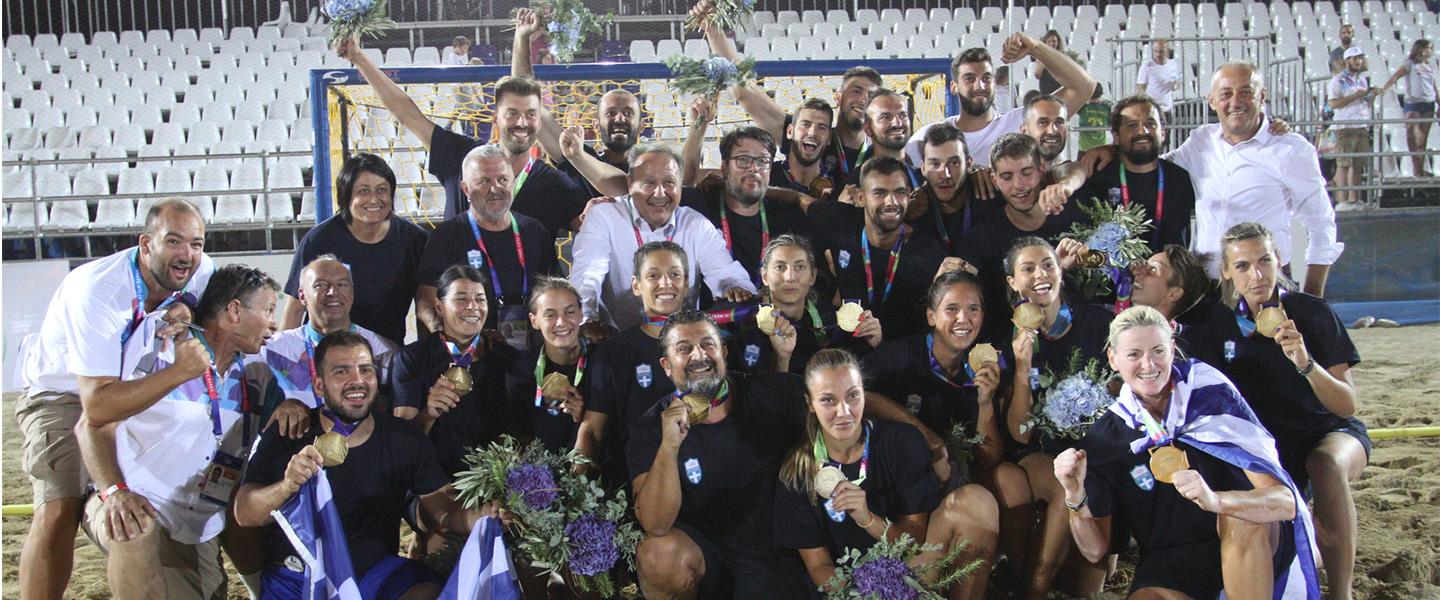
[(1349, 95), (89, 317), (974, 83), (651, 211), (1243, 172), (459, 53), (167, 456), (1159, 77)]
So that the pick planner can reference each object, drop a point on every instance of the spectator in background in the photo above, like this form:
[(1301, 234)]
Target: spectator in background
[(1048, 83), (1419, 99), (1004, 92), (1096, 114), (1159, 77), (1350, 94), (1337, 55), (459, 53)]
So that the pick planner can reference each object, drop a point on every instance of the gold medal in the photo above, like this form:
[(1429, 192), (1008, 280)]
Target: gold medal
[(1269, 320), (1093, 259), (765, 319), (826, 480), (699, 407), (1028, 316), (554, 386), (459, 378), (332, 448), (981, 355), (1165, 461), (848, 317)]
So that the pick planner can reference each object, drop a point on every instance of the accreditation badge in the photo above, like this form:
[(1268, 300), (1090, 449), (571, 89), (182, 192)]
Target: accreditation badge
[(221, 479), (514, 324)]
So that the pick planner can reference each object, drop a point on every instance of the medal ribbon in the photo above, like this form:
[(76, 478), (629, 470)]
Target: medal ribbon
[(731, 315), (822, 455), (1156, 432), (1245, 320), (464, 357), (1062, 323), (312, 339), (338, 425), (890, 274), (142, 292), (1159, 197), (656, 321), (940, 372), (519, 252), (725, 227), (540, 365)]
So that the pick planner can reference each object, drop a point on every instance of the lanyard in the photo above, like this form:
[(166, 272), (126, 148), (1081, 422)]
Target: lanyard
[(839, 152), (212, 391), (822, 454), (656, 321), (524, 176), (1153, 430), (1159, 196), (725, 227), (540, 365), (464, 357), (816, 323), (940, 220), (519, 252), (860, 159), (1062, 323), (339, 425), (640, 241), (731, 315), (935, 365), (1245, 320), (894, 262), (142, 291)]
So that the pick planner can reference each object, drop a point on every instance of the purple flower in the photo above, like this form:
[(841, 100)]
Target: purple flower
[(885, 578), (592, 545), (534, 484)]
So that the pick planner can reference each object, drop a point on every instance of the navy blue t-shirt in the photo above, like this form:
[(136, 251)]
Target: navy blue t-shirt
[(1174, 224), (900, 369), (453, 243), (548, 196), (557, 431), (746, 231), (384, 272), (481, 416)]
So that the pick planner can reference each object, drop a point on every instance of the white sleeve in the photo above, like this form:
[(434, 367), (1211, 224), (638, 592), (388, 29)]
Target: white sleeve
[(1143, 77), (1186, 155), (1332, 91), (1310, 204), (591, 253), (92, 334), (721, 271)]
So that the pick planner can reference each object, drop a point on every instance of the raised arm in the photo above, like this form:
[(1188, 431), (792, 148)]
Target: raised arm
[(606, 178), (763, 109), (527, 24), (657, 491), (395, 100), (1092, 534), (1076, 84), (254, 502), (702, 112), (109, 400)]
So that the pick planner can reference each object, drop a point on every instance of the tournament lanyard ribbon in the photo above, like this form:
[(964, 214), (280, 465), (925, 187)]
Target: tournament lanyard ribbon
[(519, 250), (463, 358), (1154, 431), (1246, 320), (212, 392), (142, 292), (822, 455), (890, 270), (725, 227), (540, 365), (1159, 197), (940, 372), (639, 241), (524, 175)]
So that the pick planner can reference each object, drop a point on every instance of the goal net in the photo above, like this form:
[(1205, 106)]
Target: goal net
[(349, 117)]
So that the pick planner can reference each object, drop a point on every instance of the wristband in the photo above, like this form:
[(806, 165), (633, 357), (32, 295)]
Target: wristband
[(1076, 507), (110, 491), (1309, 368), (868, 523)]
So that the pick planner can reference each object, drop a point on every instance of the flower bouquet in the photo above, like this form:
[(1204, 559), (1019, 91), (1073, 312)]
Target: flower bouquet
[(885, 572), (356, 18), (725, 15), (563, 521), (1071, 402), (960, 443), (570, 22), (708, 77), (1114, 237)]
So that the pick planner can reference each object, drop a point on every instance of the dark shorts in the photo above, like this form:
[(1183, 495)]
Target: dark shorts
[(390, 578), (1426, 109), (1192, 568), (743, 574), (1293, 455)]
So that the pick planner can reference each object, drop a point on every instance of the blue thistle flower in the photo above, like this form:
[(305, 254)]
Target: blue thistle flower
[(1073, 401), (592, 545), (884, 578), (534, 484), (719, 70), (1107, 238), (347, 10)]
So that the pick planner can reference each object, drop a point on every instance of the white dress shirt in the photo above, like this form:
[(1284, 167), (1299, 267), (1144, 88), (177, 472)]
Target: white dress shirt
[(1268, 179), (605, 247), (1159, 81)]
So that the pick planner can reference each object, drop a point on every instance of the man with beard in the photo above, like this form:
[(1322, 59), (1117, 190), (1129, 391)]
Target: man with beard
[(77, 353), (167, 454), (1350, 96), (1141, 176), (387, 462), (617, 115), (840, 156), (1337, 55), (973, 81), (877, 259), (704, 469), (746, 218), (945, 195), (1045, 118), (510, 247), (541, 191), (650, 212)]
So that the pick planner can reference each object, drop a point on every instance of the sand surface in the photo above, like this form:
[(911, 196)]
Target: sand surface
[(1397, 497)]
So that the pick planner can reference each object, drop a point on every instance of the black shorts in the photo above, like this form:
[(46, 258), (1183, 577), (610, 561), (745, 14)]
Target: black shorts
[(1293, 456), (1193, 569), (742, 573)]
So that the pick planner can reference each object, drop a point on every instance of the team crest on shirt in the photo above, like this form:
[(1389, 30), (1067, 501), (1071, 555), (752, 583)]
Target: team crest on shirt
[(1143, 478), (475, 259), (752, 355), (912, 404), (643, 375), (843, 258), (837, 516), (692, 470)]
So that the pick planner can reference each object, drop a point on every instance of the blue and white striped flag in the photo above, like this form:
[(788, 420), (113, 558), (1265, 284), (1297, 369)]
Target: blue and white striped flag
[(1208, 413), (484, 571), (312, 523)]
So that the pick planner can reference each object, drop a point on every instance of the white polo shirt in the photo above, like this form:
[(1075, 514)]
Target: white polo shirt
[(1344, 84), (1268, 179), (977, 142), (285, 362), (1159, 81), (165, 450), (81, 331)]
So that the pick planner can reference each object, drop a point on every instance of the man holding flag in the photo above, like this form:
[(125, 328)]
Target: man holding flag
[(375, 465)]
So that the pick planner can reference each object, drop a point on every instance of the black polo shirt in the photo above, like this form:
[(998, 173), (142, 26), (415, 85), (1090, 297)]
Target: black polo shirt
[(1174, 224), (900, 369), (548, 195), (481, 416), (453, 243), (746, 231)]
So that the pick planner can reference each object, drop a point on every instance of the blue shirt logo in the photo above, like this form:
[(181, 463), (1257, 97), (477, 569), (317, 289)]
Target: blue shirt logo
[(643, 375), (752, 355), (1143, 478), (692, 470)]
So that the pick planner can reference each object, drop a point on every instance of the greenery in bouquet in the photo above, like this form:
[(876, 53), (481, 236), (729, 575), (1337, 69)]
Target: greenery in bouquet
[(960, 443), (710, 76), (356, 19), (1071, 401), (562, 521), (725, 15), (887, 571), (1115, 230), (570, 22)]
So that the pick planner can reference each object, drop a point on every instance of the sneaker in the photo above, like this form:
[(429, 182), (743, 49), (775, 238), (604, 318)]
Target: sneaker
[(1363, 322), (1386, 323)]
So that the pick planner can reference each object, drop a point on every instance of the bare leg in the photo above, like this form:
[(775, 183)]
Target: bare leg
[(48, 555), (670, 566), (1011, 489), (1246, 557), (1331, 465), (1157, 594), (967, 515), (1054, 541)]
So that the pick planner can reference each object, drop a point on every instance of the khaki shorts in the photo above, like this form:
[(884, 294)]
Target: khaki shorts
[(1352, 140), (51, 455), (190, 570)]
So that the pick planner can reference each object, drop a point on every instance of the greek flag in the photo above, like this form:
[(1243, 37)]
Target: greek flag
[(312, 523), (1208, 413), (484, 571)]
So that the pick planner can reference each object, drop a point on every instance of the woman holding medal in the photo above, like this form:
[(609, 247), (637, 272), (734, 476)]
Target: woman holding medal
[(452, 382), (790, 325), (1180, 463), (1048, 331), (547, 382), (1290, 356), (852, 480)]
